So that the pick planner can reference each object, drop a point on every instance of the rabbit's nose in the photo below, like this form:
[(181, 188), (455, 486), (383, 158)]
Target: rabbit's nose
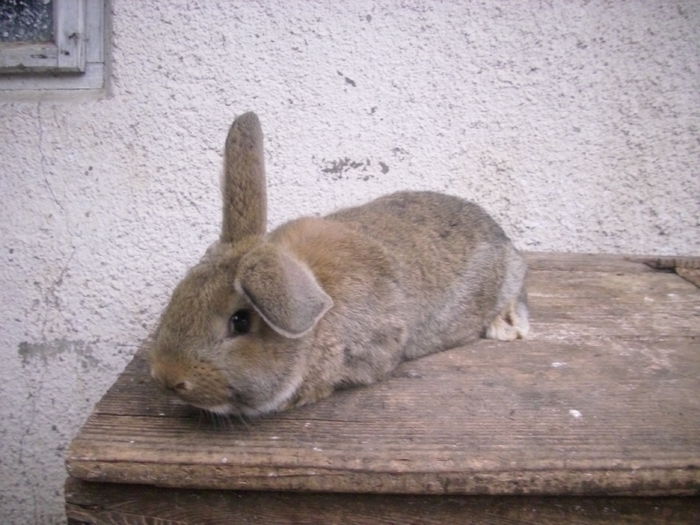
[(179, 387), (170, 381)]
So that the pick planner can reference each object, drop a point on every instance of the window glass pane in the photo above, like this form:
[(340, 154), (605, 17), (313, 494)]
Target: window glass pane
[(26, 20)]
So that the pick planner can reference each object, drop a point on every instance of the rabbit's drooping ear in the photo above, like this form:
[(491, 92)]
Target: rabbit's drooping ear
[(282, 290), (245, 200)]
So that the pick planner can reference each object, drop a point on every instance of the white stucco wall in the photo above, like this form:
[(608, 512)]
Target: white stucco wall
[(574, 123)]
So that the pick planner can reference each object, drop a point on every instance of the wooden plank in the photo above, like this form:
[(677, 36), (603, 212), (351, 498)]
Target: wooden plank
[(71, 35), (20, 57), (95, 31), (602, 399), (690, 274), (92, 78), (128, 504), (672, 263), (619, 287), (586, 262), (686, 267), (533, 418), (577, 304)]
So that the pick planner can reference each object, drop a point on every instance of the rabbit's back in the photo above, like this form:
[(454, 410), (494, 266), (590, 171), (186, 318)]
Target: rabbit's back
[(453, 259), (429, 217)]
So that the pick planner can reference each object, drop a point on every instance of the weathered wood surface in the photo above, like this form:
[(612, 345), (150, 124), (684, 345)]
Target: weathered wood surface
[(603, 399), (131, 504), (690, 274), (686, 267)]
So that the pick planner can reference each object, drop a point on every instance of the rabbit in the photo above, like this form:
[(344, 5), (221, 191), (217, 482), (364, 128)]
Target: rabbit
[(270, 321)]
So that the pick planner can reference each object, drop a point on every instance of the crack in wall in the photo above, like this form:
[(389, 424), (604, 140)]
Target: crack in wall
[(42, 156), (50, 296)]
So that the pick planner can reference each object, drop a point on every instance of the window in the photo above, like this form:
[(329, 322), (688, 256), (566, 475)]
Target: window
[(52, 45), (22, 21)]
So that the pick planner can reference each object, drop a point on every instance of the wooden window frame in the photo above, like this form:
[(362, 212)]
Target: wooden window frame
[(66, 54), (75, 60)]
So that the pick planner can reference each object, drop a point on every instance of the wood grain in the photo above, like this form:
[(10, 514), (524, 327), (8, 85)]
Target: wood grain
[(132, 504), (690, 274), (602, 399), (686, 267), (673, 263), (597, 262)]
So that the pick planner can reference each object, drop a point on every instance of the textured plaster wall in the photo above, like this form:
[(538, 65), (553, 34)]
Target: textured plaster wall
[(574, 123)]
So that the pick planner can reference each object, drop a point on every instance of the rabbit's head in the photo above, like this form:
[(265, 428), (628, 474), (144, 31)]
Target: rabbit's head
[(232, 340)]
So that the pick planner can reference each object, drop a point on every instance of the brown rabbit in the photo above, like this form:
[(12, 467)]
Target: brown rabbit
[(269, 321)]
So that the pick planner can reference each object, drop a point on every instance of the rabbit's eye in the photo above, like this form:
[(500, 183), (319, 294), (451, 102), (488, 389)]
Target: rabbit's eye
[(239, 322)]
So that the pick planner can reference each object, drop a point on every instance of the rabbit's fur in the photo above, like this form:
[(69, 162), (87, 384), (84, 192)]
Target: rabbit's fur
[(330, 302)]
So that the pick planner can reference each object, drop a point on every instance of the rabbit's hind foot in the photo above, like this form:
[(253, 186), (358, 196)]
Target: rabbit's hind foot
[(512, 323)]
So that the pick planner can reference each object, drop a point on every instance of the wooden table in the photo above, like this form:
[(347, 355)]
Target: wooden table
[(595, 417)]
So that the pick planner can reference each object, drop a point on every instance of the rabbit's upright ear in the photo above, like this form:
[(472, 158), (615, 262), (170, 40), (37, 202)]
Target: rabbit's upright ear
[(282, 290), (245, 200)]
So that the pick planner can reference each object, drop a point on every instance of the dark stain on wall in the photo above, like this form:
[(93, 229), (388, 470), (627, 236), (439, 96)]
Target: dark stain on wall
[(348, 80), (46, 350), (339, 169), (345, 164), (346, 168), (399, 153)]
